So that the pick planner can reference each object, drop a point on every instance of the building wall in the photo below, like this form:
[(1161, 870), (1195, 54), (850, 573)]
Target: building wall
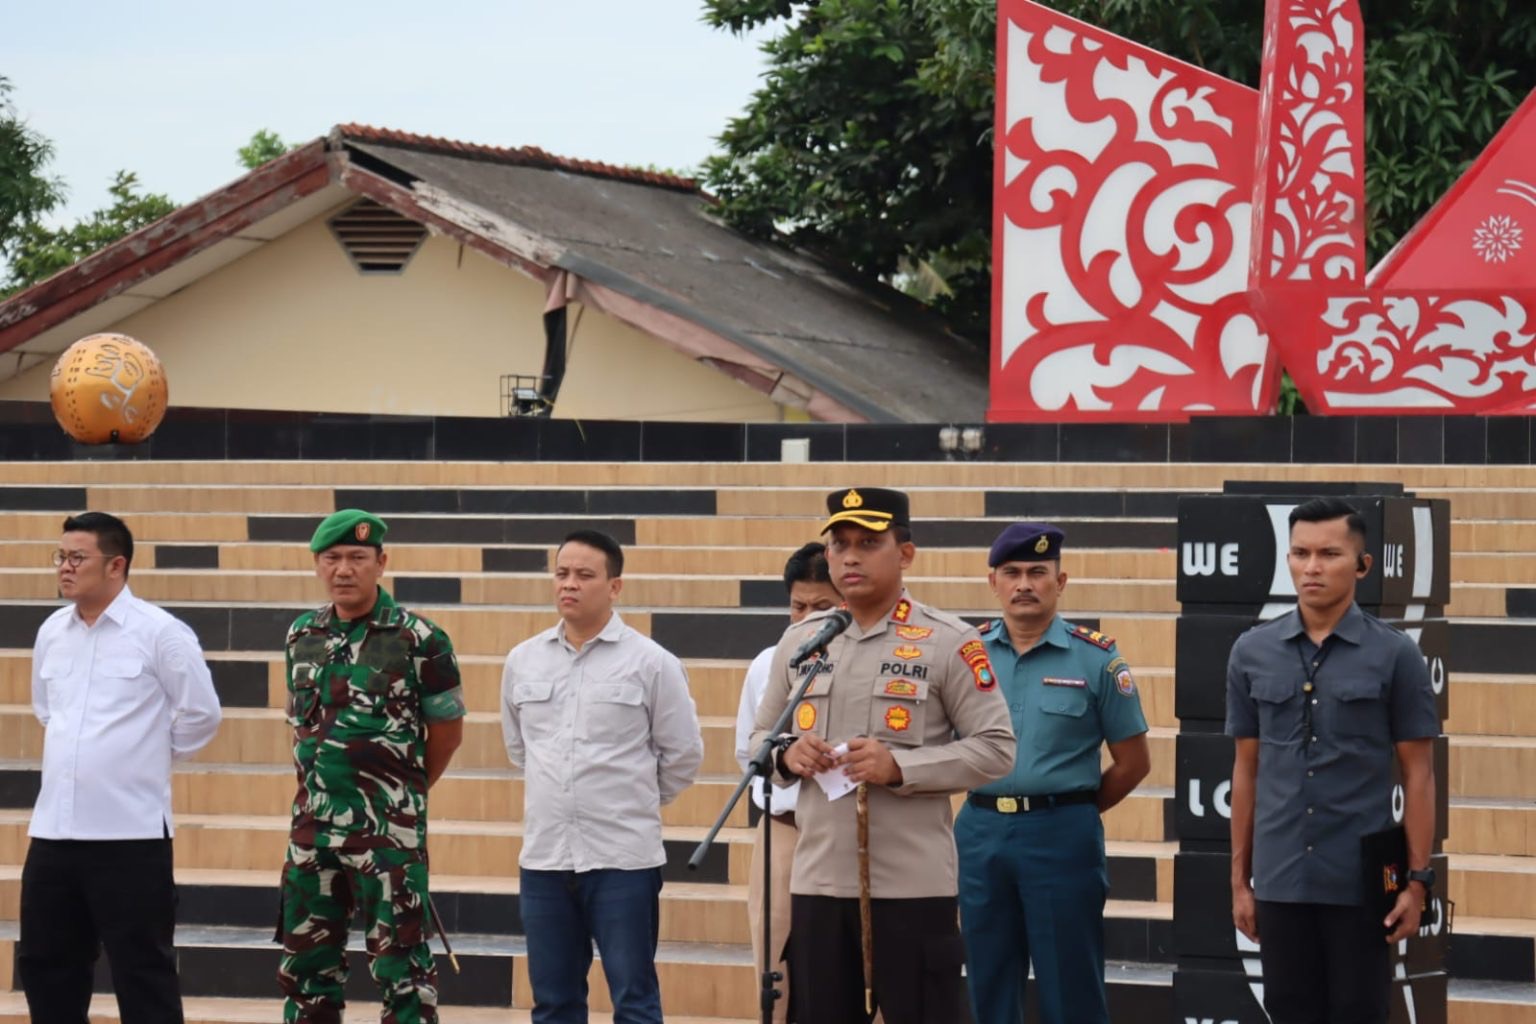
[(294, 326)]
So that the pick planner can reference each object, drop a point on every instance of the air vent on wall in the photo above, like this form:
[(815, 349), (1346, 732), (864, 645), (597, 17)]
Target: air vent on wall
[(377, 239)]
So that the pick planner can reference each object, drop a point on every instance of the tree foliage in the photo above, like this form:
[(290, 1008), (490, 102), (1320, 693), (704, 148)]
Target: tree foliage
[(27, 192), (38, 251), (31, 250), (870, 138), (264, 146)]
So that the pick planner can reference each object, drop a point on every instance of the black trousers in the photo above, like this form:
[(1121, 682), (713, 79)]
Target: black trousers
[(1323, 964), (918, 957), (79, 896)]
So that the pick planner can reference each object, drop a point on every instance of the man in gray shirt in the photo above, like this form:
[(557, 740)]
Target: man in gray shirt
[(1318, 701), (601, 721)]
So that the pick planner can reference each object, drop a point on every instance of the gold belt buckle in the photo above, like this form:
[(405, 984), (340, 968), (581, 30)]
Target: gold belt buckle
[(1007, 805)]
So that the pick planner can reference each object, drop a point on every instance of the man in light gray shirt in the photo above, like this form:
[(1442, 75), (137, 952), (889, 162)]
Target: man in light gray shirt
[(600, 719)]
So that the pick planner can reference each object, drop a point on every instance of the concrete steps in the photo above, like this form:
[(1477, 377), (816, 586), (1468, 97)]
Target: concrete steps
[(222, 545)]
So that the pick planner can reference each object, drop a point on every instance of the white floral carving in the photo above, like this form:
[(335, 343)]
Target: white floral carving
[(1497, 238)]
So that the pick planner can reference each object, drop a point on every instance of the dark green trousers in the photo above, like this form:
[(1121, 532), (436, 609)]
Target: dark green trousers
[(320, 890)]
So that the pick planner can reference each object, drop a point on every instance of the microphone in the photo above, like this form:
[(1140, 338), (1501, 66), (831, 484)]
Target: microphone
[(839, 620)]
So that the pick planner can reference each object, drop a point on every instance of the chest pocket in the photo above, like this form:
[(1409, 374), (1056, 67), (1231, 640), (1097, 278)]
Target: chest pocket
[(613, 711), (538, 714), (385, 657), (310, 651), (1355, 708), (55, 675), (379, 685), (898, 711), (1279, 707), (1066, 718), (117, 682)]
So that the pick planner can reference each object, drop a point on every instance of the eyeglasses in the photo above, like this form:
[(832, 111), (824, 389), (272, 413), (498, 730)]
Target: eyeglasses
[(74, 558)]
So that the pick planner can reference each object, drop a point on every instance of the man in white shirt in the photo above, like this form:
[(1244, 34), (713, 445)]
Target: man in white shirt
[(600, 719), (809, 584), (122, 690)]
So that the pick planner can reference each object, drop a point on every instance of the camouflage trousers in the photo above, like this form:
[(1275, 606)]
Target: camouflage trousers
[(320, 888)]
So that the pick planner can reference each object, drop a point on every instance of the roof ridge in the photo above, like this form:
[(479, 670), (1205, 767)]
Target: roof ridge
[(525, 156)]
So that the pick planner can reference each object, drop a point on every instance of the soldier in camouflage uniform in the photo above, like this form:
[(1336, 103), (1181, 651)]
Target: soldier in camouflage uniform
[(377, 710)]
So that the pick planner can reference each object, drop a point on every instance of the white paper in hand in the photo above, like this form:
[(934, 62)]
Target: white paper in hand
[(832, 781)]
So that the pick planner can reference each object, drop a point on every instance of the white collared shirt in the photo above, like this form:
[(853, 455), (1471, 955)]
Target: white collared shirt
[(119, 701), (605, 736), (752, 690)]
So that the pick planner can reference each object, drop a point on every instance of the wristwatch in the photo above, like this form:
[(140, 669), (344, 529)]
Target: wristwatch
[(1426, 878)]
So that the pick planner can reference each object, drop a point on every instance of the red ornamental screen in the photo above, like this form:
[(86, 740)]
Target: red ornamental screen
[(1121, 230), (1129, 186)]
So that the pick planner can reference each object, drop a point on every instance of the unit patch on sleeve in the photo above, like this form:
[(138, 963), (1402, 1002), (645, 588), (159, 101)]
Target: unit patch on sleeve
[(1124, 681), (1093, 636), (974, 654), (914, 632)]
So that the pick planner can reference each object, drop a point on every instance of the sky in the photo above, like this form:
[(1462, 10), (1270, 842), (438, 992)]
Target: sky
[(170, 90)]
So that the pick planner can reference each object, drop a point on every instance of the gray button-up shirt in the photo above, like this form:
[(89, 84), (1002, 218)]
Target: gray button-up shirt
[(1317, 796), (605, 736)]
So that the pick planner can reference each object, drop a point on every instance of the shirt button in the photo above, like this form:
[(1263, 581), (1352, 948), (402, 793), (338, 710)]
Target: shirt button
[(1309, 849), (1309, 811), (1310, 773)]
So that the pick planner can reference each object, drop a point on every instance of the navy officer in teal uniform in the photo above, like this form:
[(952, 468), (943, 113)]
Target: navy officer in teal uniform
[(1032, 874)]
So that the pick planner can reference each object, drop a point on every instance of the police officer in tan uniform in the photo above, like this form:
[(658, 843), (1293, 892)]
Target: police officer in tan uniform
[(911, 693)]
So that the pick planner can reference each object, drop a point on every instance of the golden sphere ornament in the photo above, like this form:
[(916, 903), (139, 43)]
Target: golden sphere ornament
[(108, 388)]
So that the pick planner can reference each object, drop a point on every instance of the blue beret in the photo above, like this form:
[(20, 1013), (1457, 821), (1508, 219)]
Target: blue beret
[(349, 526), (1026, 542)]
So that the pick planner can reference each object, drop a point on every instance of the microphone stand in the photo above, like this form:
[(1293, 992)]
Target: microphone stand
[(763, 766)]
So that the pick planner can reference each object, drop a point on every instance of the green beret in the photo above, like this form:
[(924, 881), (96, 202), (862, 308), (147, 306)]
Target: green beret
[(349, 526)]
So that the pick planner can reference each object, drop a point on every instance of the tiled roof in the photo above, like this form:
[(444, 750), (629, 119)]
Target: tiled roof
[(522, 156)]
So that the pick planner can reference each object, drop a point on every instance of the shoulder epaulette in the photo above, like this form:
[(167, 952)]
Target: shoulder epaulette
[(1093, 636), (990, 626)]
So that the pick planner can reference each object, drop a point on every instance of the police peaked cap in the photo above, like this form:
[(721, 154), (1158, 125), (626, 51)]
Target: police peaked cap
[(874, 508)]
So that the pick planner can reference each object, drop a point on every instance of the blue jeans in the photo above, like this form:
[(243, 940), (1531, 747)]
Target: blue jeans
[(564, 912)]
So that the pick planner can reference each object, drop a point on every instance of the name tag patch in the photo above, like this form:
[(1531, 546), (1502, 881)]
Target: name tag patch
[(1080, 684), (900, 688)]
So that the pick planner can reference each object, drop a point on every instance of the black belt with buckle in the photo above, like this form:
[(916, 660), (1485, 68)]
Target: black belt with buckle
[(1025, 804)]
